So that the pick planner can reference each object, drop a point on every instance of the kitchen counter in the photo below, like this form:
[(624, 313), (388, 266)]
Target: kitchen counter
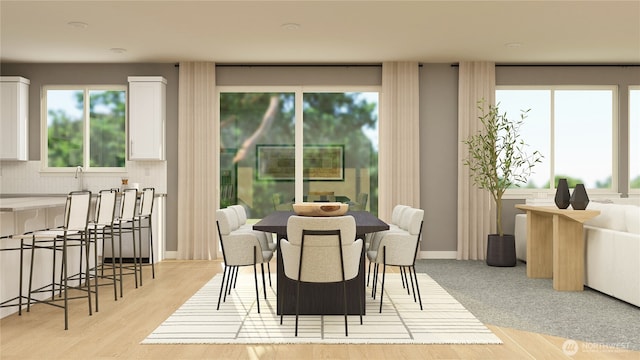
[(19, 215), (22, 213), (30, 203), (53, 195)]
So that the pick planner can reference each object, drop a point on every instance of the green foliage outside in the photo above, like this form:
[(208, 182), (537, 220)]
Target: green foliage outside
[(604, 184), (107, 111), (107, 129), (65, 140), (571, 181), (329, 118)]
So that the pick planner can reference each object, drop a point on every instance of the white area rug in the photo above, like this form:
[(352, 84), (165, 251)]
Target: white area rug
[(443, 320)]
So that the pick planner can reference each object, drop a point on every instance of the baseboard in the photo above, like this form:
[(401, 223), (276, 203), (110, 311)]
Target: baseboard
[(170, 255), (438, 254)]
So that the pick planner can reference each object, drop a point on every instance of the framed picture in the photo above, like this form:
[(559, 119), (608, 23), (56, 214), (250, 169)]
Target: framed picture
[(321, 162)]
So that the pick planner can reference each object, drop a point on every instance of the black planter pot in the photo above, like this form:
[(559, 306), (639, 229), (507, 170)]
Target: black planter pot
[(501, 250)]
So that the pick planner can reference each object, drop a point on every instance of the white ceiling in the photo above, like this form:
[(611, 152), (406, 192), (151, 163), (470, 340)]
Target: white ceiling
[(344, 32)]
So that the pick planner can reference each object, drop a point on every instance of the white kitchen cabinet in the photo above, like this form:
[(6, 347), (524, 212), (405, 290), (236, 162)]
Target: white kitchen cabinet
[(14, 118), (147, 112)]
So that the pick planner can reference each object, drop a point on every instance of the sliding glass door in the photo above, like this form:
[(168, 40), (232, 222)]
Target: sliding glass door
[(340, 158), (251, 124), (291, 145)]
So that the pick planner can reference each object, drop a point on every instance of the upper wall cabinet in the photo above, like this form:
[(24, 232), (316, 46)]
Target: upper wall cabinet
[(14, 118), (147, 112)]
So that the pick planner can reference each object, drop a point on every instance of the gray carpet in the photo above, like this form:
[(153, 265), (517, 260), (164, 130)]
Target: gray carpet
[(507, 298)]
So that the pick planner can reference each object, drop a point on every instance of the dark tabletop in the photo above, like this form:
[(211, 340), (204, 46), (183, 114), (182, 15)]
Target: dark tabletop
[(276, 222)]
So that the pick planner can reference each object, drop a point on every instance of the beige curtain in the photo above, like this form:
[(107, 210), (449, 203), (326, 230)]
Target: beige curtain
[(476, 215), (197, 163), (399, 157)]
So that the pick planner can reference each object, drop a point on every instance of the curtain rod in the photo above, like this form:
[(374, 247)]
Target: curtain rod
[(561, 65), (419, 64), (294, 65)]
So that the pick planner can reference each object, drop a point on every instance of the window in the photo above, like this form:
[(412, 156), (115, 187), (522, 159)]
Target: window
[(573, 127), (634, 138), (293, 144), (84, 126)]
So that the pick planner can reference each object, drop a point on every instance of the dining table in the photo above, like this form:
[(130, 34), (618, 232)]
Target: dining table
[(320, 298)]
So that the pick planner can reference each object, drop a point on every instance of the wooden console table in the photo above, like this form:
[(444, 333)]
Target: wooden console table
[(555, 245)]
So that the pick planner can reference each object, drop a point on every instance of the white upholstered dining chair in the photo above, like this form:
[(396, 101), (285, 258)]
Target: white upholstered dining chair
[(321, 250), (266, 239), (239, 248), (238, 223), (399, 248), (397, 221)]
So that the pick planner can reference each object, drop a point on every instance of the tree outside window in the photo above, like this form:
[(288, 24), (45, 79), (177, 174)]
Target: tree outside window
[(250, 120), (85, 127)]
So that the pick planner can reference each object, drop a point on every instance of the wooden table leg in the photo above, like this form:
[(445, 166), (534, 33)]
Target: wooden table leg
[(568, 254), (539, 245), (556, 245)]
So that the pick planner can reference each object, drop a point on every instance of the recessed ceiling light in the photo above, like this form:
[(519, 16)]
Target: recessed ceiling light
[(118, 50), (290, 26), (513, 45), (78, 24)]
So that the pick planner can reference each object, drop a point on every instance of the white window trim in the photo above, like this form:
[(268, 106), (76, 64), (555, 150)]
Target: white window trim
[(519, 193), (631, 88), (44, 139)]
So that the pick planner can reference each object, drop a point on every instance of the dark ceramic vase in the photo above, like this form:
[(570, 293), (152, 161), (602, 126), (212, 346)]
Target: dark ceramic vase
[(562, 194), (579, 199)]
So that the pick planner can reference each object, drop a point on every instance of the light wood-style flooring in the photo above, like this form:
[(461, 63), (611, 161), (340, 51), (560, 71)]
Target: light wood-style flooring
[(118, 328)]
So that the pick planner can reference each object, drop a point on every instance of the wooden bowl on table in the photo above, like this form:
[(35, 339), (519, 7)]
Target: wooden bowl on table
[(320, 208)]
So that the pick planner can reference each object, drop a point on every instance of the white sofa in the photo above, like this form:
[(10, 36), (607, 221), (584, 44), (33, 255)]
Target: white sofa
[(612, 254)]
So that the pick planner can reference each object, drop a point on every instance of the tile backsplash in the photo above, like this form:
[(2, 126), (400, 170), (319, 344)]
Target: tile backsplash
[(27, 178)]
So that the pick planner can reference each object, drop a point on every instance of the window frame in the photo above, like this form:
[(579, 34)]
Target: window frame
[(86, 148), (631, 88), (519, 193), (298, 91)]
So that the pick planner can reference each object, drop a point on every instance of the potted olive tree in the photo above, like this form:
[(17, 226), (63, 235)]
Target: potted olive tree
[(498, 160)]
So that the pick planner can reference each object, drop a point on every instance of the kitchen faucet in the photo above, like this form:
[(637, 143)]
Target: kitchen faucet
[(80, 170)]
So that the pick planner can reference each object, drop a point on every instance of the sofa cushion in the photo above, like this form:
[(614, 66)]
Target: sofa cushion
[(612, 216), (632, 217)]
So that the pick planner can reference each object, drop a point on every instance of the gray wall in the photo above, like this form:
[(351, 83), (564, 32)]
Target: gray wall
[(107, 74), (622, 76), (439, 131), (439, 155), (438, 119)]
